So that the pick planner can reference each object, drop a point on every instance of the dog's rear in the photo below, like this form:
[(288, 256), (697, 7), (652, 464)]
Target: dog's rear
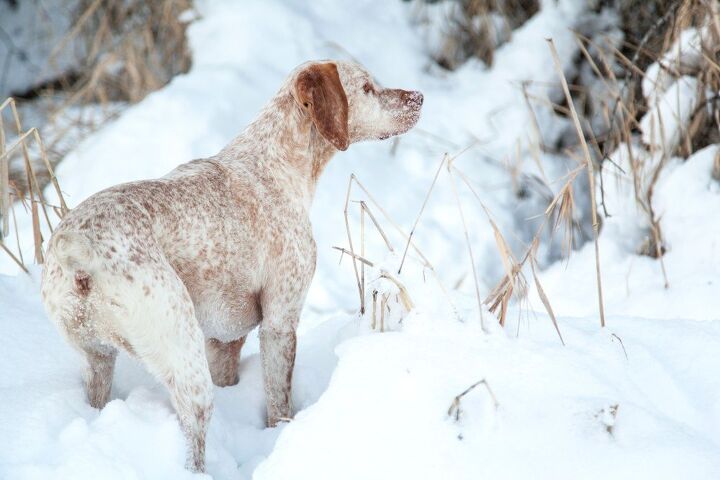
[(99, 295)]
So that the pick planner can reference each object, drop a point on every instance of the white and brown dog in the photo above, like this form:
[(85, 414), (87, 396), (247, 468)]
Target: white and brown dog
[(176, 271)]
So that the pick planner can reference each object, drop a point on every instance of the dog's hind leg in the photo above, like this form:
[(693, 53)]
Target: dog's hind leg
[(99, 374), (165, 335), (224, 360)]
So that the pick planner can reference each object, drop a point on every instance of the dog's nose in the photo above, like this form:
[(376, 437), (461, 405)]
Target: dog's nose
[(413, 97)]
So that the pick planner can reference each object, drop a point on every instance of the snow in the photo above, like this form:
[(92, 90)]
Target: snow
[(638, 399)]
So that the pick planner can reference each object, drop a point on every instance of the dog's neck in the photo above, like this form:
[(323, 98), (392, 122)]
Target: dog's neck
[(282, 143)]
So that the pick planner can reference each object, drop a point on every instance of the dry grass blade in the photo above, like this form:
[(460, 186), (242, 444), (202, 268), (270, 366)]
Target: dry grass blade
[(35, 201), (513, 281), (622, 344), (469, 245), (545, 301), (37, 235), (17, 236), (14, 258), (77, 27), (362, 250), (422, 209), (454, 411), (389, 219), (352, 250), (563, 209), (404, 294), (360, 259), (399, 230), (380, 230), (53, 179), (591, 176), (383, 306), (499, 298)]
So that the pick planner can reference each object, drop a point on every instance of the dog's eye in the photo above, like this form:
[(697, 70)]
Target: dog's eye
[(367, 88)]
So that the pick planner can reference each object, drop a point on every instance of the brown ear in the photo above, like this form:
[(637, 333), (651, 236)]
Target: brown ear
[(320, 92)]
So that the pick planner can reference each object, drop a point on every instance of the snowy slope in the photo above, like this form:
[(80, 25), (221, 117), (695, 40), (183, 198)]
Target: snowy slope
[(635, 400)]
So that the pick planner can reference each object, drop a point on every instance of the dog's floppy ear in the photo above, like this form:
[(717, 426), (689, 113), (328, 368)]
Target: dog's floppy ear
[(320, 92)]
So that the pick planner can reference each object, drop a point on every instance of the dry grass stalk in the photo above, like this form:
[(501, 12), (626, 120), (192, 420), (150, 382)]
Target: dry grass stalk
[(360, 259), (383, 306), (403, 295), (591, 177), (115, 52), (425, 262), (53, 179), (471, 29), (659, 249), (622, 344), (362, 250), (17, 236), (544, 299), (352, 249), (379, 229), (34, 188), (514, 281), (469, 246), (130, 48), (562, 208), (15, 259), (422, 209), (455, 411)]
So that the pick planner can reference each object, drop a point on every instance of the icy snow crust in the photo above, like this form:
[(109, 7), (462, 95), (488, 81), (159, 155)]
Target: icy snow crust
[(638, 399)]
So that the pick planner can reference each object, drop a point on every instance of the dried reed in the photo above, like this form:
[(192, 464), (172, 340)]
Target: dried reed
[(591, 175)]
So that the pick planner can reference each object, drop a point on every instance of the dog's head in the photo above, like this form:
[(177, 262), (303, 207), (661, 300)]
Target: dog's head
[(347, 106)]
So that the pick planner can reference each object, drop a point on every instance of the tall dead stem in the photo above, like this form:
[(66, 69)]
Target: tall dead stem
[(591, 175), (469, 246)]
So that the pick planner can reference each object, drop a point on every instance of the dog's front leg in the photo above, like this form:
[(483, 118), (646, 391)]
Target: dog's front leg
[(277, 346)]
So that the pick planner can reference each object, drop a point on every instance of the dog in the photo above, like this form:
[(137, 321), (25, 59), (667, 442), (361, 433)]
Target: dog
[(177, 271)]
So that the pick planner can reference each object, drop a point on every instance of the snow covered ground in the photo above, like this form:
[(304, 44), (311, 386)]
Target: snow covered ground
[(638, 399)]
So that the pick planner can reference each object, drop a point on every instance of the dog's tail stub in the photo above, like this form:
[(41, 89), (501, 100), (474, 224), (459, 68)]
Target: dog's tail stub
[(76, 257)]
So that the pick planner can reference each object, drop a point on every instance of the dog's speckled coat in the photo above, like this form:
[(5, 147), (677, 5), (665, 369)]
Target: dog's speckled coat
[(178, 270)]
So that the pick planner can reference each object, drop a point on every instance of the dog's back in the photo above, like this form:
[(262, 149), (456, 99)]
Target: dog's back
[(196, 223)]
